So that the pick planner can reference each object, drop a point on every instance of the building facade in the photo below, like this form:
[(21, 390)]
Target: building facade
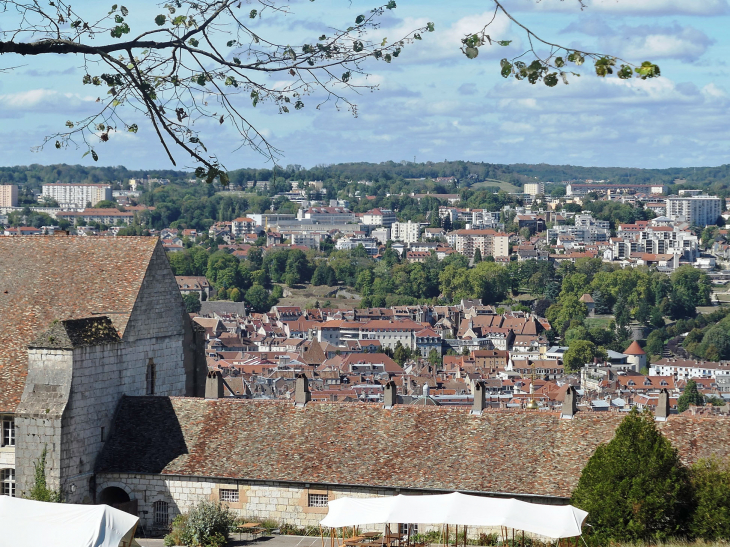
[(694, 210), (116, 327), (77, 195), (407, 232), (8, 195)]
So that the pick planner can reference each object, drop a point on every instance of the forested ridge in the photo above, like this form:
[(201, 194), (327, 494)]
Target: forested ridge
[(714, 179)]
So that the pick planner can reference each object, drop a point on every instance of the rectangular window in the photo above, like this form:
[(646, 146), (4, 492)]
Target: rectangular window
[(318, 500), (8, 432), (161, 512), (228, 494), (7, 482)]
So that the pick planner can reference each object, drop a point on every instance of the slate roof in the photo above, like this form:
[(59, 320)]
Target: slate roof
[(47, 278), (410, 446)]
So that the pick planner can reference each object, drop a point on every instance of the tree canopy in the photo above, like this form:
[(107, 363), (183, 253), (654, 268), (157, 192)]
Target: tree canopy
[(635, 488)]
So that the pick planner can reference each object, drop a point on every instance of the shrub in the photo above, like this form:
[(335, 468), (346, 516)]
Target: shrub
[(207, 524), (711, 519)]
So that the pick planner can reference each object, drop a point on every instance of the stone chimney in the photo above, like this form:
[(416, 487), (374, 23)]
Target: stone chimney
[(214, 385), (302, 395), (479, 399), (662, 407), (390, 395), (570, 404)]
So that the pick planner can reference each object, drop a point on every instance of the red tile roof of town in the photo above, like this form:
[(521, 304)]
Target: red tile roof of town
[(634, 349), (408, 447), (49, 278)]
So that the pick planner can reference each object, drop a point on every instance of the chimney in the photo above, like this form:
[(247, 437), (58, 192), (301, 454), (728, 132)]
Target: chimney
[(479, 399), (662, 407), (302, 394), (214, 385), (390, 395), (570, 404)]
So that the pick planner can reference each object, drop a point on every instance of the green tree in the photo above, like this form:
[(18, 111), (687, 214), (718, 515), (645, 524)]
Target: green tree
[(579, 353), (258, 299), (690, 396), (655, 342), (635, 488), (40, 490), (711, 482), (434, 359), (400, 354), (477, 256), (192, 302)]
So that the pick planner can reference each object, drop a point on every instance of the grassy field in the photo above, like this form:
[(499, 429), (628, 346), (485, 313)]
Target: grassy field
[(305, 296), (506, 186), (601, 321)]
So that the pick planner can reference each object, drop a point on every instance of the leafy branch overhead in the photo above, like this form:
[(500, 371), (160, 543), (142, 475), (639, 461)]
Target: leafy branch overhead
[(553, 64), (197, 65)]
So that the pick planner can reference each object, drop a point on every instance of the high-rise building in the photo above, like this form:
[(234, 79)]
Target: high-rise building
[(534, 188), (8, 195), (695, 210), (78, 195), (407, 232)]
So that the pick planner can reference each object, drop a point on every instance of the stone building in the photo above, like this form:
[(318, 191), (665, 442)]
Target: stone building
[(285, 460), (84, 321)]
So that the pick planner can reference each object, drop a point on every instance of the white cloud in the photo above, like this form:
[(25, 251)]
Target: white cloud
[(630, 7)]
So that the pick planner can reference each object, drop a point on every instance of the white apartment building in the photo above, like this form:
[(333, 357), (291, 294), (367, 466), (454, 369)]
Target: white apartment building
[(78, 195), (686, 369), (8, 195), (327, 215), (351, 243), (489, 242), (695, 210), (379, 217), (534, 188), (242, 226), (407, 232)]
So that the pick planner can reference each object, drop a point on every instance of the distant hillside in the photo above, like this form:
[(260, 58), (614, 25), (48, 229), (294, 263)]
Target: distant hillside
[(715, 179)]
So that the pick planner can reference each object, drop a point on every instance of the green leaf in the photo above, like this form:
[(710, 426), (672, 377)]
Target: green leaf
[(230, 80), (385, 41), (253, 14), (230, 43), (504, 42), (346, 76), (132, 128), (86, 154), (200, 79), (255, 97), (551, 80), (69, 124), (430, 27), (118, 19), (193, 42), (647, 70), (160, 20), (237, 60), (416, 36), (390, 5), (114, 8), (506, 68), (124, 11), (94, 155), (625, 72), (179, 20), (359, 19), (58, 144), (357, 46), (471, 52), (299, 105), (559, 62), (388, 58)]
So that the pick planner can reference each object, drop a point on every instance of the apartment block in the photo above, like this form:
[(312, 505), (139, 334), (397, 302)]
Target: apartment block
[(407, 232), (534, 188), (78, 195), (694, 210), (8, 195), (489, 242)]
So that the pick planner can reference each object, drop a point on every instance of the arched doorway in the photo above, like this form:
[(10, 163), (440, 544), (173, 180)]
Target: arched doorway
[(113, 495)]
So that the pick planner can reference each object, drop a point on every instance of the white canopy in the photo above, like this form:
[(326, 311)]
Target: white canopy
[(553, 521), (27, 523)]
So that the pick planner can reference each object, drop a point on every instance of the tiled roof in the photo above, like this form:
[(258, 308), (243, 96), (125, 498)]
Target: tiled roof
[(409, 446), (47, 278)]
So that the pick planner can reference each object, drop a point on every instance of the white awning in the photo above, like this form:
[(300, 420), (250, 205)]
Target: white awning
[(27, 523), (553, 521)]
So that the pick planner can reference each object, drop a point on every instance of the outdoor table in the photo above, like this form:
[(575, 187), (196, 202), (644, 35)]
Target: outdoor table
[(251, 527), (355, 540), (371, 534)]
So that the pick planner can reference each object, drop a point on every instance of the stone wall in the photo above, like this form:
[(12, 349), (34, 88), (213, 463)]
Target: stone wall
[(39, 415), (281, 502)]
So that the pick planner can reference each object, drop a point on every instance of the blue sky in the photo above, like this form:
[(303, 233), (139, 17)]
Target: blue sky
[(433, 103)]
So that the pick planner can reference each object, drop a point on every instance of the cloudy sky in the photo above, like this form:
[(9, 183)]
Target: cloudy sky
[(434, 104)]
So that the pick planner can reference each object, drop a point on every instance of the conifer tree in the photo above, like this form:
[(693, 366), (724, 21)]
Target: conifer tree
[(635, 488)]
